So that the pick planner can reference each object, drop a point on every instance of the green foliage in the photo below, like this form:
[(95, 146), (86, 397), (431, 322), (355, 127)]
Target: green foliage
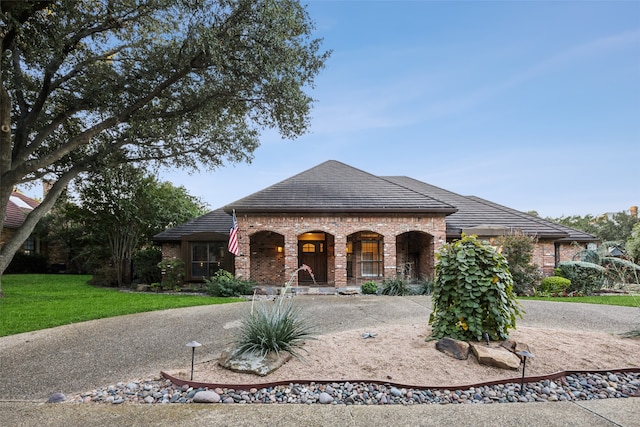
[(28, 263), (585, 277), (145, 265), (225, 284), (553, 285), (275, 327), (279, 327), (172, 273), (369, 288), (620, 271), (397, 286), (518, 248), (104, 276), (40, 301), (425, 286), (617, 228), (633, 244), (473, 292), (121, 208)]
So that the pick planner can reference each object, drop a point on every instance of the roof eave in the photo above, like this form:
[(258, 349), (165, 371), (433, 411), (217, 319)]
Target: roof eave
[(240, 210)]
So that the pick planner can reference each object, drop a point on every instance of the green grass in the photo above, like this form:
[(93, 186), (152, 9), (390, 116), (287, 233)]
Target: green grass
[(38, 301), (622, 300)]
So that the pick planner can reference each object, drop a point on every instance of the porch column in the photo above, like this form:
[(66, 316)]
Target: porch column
[(340, 263), (390, 258), (291, 258), (243, 259)]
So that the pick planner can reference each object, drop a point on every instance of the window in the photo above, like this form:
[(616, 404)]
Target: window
[(206, 258), (371, 258), (29, 245)]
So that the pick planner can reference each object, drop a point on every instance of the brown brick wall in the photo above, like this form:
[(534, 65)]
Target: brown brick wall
[(248, 262)]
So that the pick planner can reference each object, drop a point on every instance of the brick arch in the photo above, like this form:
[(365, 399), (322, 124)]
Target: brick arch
[(415, 255), (365, 258)]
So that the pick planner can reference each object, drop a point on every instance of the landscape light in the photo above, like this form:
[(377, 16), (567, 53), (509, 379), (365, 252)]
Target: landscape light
[(193, 345), (525, 355)]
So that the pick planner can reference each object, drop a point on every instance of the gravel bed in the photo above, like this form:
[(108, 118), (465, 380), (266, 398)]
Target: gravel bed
[(570, 388)]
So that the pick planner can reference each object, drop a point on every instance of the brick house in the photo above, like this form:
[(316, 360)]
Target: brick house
[(18, 208), (350, 227)]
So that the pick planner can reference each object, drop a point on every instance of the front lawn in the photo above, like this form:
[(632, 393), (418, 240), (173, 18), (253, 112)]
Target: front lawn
[(623, 300), (39, 301)]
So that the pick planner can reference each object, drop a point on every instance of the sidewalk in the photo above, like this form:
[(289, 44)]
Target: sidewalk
[(613, 412)]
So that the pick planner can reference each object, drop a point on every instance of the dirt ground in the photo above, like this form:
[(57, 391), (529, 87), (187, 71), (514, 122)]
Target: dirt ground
[(400, 354)]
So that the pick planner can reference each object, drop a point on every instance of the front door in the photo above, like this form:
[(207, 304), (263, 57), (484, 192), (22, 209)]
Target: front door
[(313, 253)]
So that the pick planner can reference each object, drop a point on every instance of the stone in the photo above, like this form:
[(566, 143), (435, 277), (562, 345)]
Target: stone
[(454, 348), (325, 398), (57, 398), (206, 396), (253, 363), (498, 357)]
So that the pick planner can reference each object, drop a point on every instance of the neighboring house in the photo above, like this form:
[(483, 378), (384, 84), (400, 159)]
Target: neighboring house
[(350, 227), (18, 208)]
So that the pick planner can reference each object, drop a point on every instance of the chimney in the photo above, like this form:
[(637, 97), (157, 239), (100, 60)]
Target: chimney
[(633, 211)]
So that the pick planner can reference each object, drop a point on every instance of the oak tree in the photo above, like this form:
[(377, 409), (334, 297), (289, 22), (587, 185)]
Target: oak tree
[(86, 84)]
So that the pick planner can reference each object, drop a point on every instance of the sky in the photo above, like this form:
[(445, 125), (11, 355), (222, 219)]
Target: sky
[(530, 104)]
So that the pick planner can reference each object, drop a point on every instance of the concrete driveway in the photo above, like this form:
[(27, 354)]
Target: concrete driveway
[(83, 356)]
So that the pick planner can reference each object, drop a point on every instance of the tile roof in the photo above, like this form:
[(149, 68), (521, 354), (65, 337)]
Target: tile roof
[(336, 187), (217, 221), (477, 212), (18, 208)]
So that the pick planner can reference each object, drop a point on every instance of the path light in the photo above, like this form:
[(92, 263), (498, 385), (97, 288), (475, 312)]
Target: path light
[(193, 345), (525, 355), (485, 335)]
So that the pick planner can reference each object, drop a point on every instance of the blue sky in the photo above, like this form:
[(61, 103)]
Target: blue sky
[(533, 105)]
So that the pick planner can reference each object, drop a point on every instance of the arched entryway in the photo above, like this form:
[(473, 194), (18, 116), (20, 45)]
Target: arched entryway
[(415, 255), (315, 249)]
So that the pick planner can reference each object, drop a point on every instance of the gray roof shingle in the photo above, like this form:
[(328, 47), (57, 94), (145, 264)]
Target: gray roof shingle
[(336, 187), (475, 211), (217, 221)]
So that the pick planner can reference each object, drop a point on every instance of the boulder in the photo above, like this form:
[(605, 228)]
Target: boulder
[(515, 347), (253, 363), (498, 357), (206, 396), (454, 348)]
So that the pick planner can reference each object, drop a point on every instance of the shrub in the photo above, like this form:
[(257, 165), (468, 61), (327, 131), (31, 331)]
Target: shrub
[(225, 284), (275, 327), (396, 286), (553, 285), (472, 293), (517, 248), (369, 288), (145, 265), (585, 277), (172, 273), (619, 271), (23, 263), (105, 276), (425, 287)]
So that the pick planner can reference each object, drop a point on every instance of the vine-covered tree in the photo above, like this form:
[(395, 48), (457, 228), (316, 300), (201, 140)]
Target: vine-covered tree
[(85, 84)]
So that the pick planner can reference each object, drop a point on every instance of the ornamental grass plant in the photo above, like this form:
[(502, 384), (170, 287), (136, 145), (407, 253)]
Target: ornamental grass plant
[(276, 326)]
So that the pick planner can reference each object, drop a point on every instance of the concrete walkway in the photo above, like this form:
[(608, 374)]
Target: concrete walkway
[(87, 355)]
